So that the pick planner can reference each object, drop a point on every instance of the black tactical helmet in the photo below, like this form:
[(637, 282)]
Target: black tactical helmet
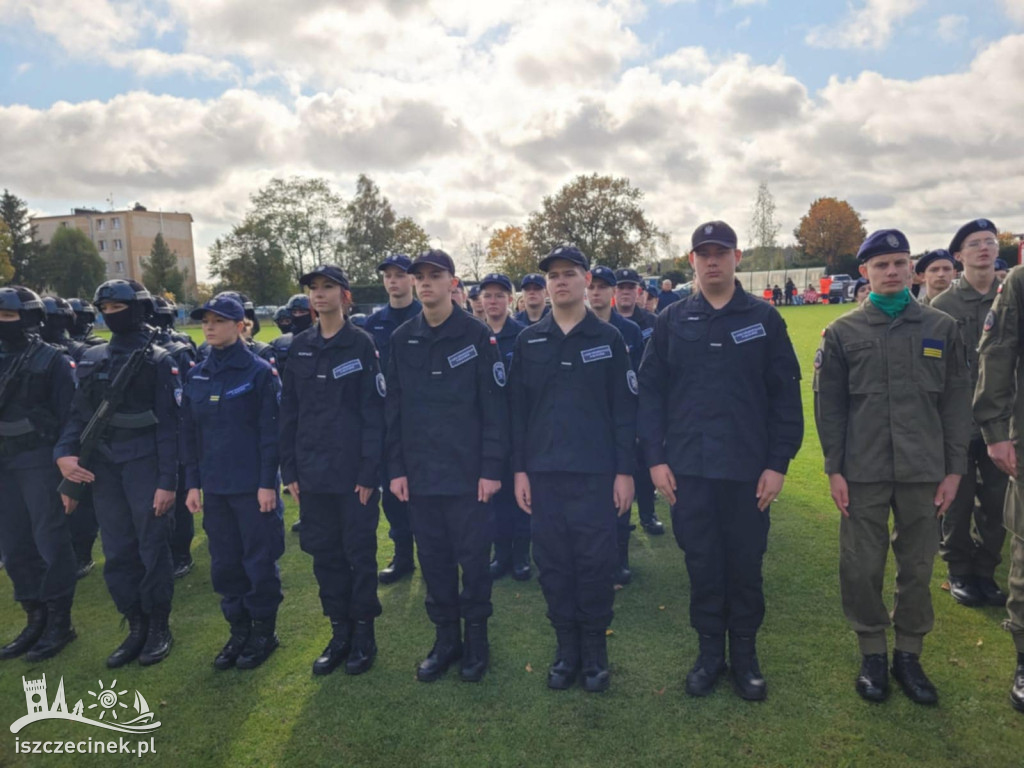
[(83, 309), (299, 301), (130, 292), (163, 312), (17, 298), (55, 306)]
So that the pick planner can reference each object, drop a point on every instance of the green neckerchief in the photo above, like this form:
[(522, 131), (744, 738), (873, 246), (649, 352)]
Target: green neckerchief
[(891, 305)]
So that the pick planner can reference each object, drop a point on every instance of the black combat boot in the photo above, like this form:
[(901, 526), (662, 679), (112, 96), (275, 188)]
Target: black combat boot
[(84, 567), (652, 525), (364, 648), (521, 558), (129, 650), (594, 660), (337, 650), (566, 666), (873, 680), (261, 643), (906, 668), (501, 565), (58, 632), (1017, 691), (622, 574), (710, 665), (401, 564), (746, 672), (477, 652), (158, 638), (183, 567), (240, 629), (447, 650), (34, 627)]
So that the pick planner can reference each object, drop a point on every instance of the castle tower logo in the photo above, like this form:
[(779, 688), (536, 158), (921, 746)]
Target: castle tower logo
[(104, 708)]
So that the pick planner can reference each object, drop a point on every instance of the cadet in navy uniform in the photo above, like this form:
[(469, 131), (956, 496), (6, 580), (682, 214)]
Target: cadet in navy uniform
[(332, 422), (599, 294), (535, 294), (511, 524), (182, 350), (34, 534), (133, 473), (476, 304), (573, 396), (229, 435), (720, 419), (629, 293), (259, 348), (381, 325), (447, 444)]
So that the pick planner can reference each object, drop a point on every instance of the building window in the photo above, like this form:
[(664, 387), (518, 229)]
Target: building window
[(64, 224), (115, 223), (117, 245), (119, 267), (101, 224), (103, 245)]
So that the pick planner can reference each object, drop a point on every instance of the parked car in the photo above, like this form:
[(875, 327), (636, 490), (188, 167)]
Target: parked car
[(841, 290)]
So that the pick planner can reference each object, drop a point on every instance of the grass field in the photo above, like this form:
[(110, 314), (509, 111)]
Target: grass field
[(281, 715)]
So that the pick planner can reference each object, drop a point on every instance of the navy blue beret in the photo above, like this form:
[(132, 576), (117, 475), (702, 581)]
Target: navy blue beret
[(931, 257), (968, 229), (1001, 264), (883, 241)]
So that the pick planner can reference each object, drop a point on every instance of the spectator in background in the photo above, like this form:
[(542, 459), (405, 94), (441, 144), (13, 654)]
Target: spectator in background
[(776, 295), (667, 295), (810, 295), (790, 290), (861, 289), (652, 300)]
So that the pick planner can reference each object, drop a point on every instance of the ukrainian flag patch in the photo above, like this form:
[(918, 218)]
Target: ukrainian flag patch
[(932, 348)]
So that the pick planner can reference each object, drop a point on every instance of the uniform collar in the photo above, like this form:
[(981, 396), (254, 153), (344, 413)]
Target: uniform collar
[(875, 316), (590, 325), (344, 338), (238, 355), (969, 293), (452, 326), (696, 302), (411, 309)]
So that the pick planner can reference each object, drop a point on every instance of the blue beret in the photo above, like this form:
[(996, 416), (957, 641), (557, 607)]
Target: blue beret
[(566, 253), (533, 279), (860, 283), (1001, 264), (931, 257), (883, 241), (968, 229), (604, 273), (497, 279)]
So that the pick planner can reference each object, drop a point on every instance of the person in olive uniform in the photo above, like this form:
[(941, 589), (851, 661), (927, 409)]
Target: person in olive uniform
[(999, 413), (573, 395), (720, 420), (133, 472), (447, 444), (382, 324), (34, 532), (978, 505), (332, 421), (229, 437), (892, 410), (938, 270)]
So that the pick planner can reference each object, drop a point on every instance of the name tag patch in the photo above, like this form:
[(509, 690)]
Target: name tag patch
[(749, 333), (348, 367), (538, 340), (932, 348), (464, 355), (604, 352), (647, 332), (247, 387), (304, 354)]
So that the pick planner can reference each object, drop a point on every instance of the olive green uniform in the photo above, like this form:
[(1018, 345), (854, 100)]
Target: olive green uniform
[(891, 405), (965, 554), (999, 412)]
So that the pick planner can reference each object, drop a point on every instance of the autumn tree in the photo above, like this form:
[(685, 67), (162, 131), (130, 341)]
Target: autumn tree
[(830, 230), (600, 215), (509, 252), (160, 272), (25, 254), (409, 238), (1009, 249)]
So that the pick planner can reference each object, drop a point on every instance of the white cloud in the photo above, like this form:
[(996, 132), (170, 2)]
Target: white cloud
[(951, 27), (688, 60), (1014, 9), (869, 26)]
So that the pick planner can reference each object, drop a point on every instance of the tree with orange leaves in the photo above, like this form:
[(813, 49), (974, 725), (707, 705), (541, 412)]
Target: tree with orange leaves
[(830, 230)]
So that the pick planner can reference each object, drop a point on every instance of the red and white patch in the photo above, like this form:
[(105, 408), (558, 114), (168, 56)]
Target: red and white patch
[(174, 370), (72, 364), (493, 340)]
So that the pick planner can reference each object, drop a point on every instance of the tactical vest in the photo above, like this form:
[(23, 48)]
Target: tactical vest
[(28, 421), (97, 370)]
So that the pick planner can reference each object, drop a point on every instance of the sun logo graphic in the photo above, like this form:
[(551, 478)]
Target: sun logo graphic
[(110, 712)]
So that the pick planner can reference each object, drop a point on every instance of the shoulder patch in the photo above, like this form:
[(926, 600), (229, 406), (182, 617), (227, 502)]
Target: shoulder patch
[(177, 396), (631, 381), (382, 388), (818, 357), (990, 318)]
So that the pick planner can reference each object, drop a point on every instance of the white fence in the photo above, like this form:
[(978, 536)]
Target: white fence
[(756, 282)]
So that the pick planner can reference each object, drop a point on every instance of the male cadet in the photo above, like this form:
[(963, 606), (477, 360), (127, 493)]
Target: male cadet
[(381, 325), (972, 558), (447, 443), (629, 292), (938, 268), (37, 388), (476, 303), (535, 294), (999, 412), (720, 420), (459, 293), (891, 405), (573, 396), (511, 524), (599, 295), (1001, 269), (133, 470)]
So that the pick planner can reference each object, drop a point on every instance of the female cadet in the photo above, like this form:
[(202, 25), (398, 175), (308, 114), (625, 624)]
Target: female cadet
[(229, 450), (332, 427)]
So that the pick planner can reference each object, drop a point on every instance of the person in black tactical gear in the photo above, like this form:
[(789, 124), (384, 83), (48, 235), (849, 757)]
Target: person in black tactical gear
[(133, 469), (283, 320), (59, 319), (183, 350), (299, 318), (36, 389), (85, 317), (332, 433)]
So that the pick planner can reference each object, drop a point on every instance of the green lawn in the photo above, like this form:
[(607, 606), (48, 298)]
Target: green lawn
[(280, 715)]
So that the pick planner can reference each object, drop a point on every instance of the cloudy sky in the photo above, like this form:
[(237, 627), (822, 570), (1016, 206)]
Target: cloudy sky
[(467, 112)]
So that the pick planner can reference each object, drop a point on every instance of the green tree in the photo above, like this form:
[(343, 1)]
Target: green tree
[(409, 238), (24, 252), (71, 265), (829, 231), (369, 230), (249, 259), (509, 252), (160, 273), (6, 244), (600, 215)]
